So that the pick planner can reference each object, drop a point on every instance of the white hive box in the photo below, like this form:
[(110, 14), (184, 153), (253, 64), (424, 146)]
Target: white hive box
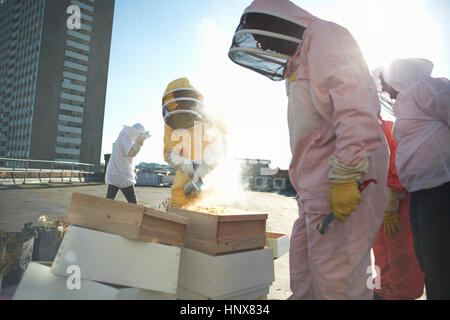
[(113, 259), (258, 293), (225, 276), (38, 283), (140, 294), (278, 242)]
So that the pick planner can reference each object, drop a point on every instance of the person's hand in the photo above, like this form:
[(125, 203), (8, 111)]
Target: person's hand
[(142, 137), (187, 167), (180, 163), (202, 171), (391, 225), (344, 198)]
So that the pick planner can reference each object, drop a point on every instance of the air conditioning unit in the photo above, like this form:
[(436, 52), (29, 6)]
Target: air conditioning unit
[(279, 184), (263, 183)]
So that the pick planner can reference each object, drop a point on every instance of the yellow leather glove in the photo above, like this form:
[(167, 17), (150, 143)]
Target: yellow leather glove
[(344, 198), (391, 225)]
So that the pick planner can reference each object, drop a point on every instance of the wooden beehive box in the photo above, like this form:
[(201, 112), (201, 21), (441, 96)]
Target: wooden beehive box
[(216, 234), (132, 221)]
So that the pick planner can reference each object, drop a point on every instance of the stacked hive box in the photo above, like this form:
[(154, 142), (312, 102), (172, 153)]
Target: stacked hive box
[(39, 283), (127, 251), (224, 256), (110, 244)]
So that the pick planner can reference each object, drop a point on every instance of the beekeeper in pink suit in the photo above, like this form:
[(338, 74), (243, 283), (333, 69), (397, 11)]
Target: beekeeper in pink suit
[(422, 131), (335, 138)]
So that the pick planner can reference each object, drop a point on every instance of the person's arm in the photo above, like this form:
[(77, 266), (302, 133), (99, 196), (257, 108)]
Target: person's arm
[(134, 150), (172, 154), (393, 180), (434, 101), (344, 93)]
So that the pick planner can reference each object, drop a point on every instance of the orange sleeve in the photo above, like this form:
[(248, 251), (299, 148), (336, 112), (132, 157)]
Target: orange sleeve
[(393, 180)]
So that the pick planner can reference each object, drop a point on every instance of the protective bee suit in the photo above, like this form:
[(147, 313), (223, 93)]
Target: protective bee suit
[(189, 138), (335, 139), (422, 131), (422, 126), (400, 275), (120, 171)]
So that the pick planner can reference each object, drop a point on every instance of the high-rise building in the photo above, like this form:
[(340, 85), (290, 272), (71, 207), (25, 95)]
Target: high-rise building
[(53, 76)]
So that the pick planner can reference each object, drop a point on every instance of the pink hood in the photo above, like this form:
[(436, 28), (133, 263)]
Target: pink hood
[(289, 11), (283, 9)]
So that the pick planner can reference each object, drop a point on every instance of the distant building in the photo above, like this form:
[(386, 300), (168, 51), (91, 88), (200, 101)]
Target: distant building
[(258, 176), (253, 167), (53, 79), (153, 167), (155, 174)]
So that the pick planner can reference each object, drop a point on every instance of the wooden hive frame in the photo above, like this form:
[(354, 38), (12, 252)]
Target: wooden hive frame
[(216, 234)]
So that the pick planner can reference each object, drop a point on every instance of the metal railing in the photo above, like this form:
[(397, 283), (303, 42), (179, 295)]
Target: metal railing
[(55, 171)]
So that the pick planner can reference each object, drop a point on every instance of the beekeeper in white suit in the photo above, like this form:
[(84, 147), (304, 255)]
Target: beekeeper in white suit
[(120, 171)]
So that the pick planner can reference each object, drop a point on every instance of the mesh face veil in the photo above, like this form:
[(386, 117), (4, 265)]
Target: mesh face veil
[(182, 105), (265, 43)]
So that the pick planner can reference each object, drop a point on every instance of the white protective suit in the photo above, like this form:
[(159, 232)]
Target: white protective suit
[(422, 128), (120, 171)]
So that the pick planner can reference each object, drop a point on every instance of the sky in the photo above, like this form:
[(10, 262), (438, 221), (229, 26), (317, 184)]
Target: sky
[(156, 42)]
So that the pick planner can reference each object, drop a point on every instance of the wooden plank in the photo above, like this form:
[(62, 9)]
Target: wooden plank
[(224, 247), (152, 230), (167, 216), (110, 258), (227, 246), (248, 216), (208, 247), (226, 274), (201, 226), (127, 220), (241, 229), (105, 215), (230, 215)]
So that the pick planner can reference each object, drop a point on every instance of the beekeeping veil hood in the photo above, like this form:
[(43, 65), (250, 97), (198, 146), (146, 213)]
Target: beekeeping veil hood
[(402, 73), (182, 105), (268, 36)]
